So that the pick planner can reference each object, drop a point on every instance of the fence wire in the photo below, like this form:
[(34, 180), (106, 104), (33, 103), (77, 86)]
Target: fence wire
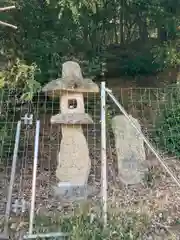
[(156, 197), (46, 203), (157, 192)]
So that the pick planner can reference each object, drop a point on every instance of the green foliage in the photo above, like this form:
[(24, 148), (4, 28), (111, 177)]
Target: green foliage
[(18, 84), (129, 226), (52, 31), (131, 61), (21, 78), (168, 124), (92, 67), (142, 59), (166, 55)]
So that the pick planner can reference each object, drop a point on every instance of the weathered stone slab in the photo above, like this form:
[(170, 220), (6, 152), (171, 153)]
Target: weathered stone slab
[(68, 191), (73, 161), (72, 118), (71, 81), (130, 150)]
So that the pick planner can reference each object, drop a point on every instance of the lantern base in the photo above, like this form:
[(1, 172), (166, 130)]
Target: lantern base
[(69, 191)]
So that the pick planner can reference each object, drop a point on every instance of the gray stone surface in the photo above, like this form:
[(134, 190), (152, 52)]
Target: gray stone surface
[(74, 162), (71, 81), (72, 118), (130, 150), (73, 192)]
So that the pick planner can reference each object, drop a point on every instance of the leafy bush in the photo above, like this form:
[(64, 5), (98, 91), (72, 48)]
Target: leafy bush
[(17, 85), (132, 59), (20, 77), (168, 123), (166, 55), (141, 58)]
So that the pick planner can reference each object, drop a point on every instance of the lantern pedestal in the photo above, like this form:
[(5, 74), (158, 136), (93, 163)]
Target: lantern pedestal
[(73, 163)]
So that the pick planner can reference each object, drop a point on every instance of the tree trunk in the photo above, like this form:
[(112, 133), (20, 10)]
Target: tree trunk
[(162, 33), (122, 22), (143, 31)]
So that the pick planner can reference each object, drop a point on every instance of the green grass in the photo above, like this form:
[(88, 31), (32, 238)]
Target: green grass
[(89, 226)]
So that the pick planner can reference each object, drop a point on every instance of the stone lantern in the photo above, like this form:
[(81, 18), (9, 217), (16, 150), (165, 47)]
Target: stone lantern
[(74, 163)]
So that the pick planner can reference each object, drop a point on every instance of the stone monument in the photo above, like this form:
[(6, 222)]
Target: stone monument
[(130, 150), (73, 165)]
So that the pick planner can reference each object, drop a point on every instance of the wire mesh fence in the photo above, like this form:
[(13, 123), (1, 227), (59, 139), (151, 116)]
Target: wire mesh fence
[(147, 105), (47, 204), (155, 198)]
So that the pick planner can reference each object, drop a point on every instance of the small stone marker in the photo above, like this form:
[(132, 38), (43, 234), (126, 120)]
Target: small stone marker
[(73, 160), (130, 150), (19, 206)]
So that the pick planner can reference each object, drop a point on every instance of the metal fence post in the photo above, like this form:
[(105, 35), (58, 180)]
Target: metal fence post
[(13, 172), (36, 149), (103, 152)]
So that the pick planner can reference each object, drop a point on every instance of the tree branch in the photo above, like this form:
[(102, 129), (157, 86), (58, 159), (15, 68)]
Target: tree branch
[(7, 8), (8, 25)]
